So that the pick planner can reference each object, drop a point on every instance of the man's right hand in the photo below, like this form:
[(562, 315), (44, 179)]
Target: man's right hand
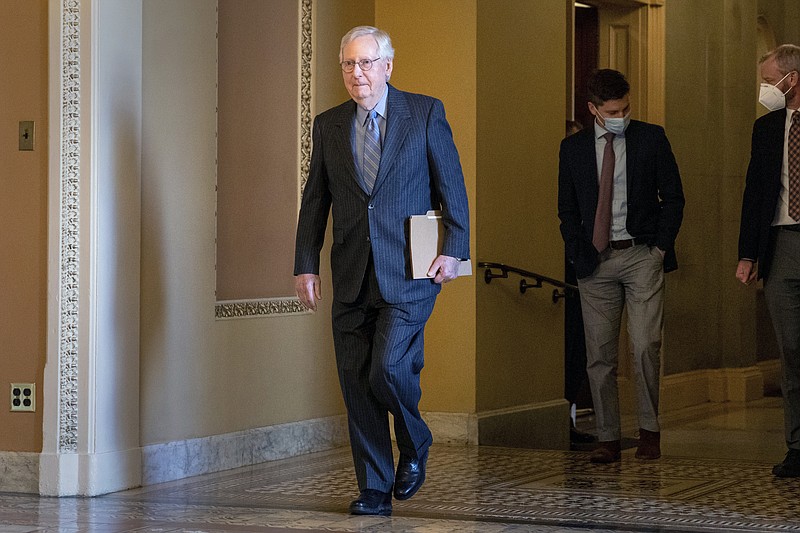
[(745, 271), (308, 289)]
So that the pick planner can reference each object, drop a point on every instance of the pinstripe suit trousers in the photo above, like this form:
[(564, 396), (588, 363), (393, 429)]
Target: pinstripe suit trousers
[(379, 356)]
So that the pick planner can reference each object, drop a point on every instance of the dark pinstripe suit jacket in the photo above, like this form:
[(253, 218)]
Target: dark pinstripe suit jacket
[(419, 171), (762, 189)]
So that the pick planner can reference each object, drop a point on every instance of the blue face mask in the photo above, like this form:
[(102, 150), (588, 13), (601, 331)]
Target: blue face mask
[(617, 126)]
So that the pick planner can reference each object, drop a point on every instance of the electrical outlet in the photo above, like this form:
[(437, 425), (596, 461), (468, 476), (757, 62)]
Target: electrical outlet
[(23, 397)]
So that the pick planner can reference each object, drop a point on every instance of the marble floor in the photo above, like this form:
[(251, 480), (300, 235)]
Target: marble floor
[(714, 476)]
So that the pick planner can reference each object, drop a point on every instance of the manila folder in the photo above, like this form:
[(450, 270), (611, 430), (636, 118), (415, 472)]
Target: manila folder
[(426, 235)]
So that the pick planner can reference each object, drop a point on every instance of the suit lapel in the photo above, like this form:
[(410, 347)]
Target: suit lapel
[(778, 129), (632, 141), (398, 124), (588, 155), (342, 124)]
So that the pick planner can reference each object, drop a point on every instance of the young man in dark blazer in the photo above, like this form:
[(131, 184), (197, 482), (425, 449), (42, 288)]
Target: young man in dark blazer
[(770, 227), (378, 159), (620, 201)]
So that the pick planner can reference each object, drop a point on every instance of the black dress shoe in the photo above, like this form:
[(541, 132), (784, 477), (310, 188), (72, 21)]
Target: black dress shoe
[(790, 467), (577, 436), (372, 502), (410, 476)]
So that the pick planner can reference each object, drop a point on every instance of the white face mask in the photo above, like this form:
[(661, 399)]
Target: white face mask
[(617, 126), (771, 97)]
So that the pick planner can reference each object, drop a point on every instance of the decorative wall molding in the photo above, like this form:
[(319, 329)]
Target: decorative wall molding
[(306, 25), (259, 308), (265, 307), (69, 249)]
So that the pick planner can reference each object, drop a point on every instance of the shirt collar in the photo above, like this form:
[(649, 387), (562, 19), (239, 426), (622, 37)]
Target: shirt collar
[(599, 130)]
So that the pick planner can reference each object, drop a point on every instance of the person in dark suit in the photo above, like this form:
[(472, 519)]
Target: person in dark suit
[(378, 159), (575, 377), (769, 234), (620, 202)]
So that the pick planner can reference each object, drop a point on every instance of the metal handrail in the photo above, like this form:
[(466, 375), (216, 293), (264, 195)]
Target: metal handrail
[(488, 276)]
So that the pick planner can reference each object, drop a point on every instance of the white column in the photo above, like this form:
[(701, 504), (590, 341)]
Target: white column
[(91, 396)]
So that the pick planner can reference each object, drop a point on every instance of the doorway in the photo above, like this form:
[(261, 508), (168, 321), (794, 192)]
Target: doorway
[(585, 61), (628, 36)]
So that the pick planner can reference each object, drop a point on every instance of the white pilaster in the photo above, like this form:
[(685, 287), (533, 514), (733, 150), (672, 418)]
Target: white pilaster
[(91, 403)]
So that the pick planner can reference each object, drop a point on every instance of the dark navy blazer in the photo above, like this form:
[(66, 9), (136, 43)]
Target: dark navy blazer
[(419, 171), (762, 189), (655, 194)]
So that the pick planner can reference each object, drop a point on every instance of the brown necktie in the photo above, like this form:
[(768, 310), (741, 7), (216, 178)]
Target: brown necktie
[(602, 218), (794, 167)]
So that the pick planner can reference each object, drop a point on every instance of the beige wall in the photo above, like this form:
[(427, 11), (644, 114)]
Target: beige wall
[(783, 17), (709, 114), (521, 62), (23, 216), (201, 376), (258, 153)]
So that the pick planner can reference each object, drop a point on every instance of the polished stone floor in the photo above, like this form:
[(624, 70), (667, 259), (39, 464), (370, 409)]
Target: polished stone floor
[(714, 476)]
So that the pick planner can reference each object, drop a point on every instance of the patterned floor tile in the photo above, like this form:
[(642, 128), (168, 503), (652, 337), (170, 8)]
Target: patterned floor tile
[(548, 488), (473, 489)]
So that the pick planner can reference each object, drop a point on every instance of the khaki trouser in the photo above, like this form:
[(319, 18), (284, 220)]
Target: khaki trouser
[(633, 278)]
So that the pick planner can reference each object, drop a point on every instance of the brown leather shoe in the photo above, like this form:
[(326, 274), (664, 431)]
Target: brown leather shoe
[(606, 452), (649, 445)]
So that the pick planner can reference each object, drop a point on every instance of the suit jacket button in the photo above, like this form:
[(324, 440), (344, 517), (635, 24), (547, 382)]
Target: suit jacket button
[(370, 206)]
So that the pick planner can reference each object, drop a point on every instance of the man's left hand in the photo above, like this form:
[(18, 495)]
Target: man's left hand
[(444, 269)]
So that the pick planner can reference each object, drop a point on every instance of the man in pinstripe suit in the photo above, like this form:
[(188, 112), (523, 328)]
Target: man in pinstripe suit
[(379, 311)]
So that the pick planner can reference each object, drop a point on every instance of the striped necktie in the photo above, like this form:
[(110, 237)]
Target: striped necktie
[(372, 150), (794, 167)]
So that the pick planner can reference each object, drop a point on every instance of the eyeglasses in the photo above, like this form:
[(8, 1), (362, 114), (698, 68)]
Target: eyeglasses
[(364, 64)]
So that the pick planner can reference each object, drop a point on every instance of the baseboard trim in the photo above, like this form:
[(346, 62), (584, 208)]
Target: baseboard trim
[(735, 384), (542, 425), (20, 472), (686, 389), (92, 474), (204, 455), (717, 385), (452, 428), (771, 370)]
